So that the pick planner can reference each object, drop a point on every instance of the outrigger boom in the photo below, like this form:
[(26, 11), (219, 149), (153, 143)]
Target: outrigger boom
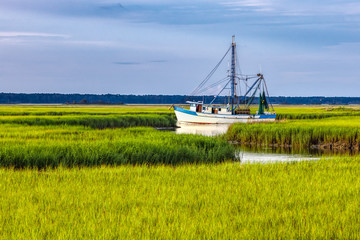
[(232, 112)]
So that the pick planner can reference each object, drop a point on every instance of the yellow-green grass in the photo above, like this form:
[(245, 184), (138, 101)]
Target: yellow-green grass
[(144, 184), (93, 116), (315, 108), (311, 111), (283, 111), (50, 146), (314, 111), (80, 109), (300, 200), (49, 136), (337, 131), (96, 121)]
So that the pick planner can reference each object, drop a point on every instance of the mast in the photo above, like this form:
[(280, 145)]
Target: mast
[(232, 76)]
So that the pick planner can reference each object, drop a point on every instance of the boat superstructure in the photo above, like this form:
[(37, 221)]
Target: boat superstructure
[(238, 107)]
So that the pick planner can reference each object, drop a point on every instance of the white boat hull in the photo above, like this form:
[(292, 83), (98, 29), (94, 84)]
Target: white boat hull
[(187, 116)]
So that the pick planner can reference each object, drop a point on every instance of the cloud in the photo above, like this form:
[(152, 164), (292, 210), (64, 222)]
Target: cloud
[(31, 34), (128, 63), (26, 37), (139, 63), (303, 8), (79, 8), (84, 39), (344, 8), (112, 7), (169, 12), (188, 12), (247, 3)]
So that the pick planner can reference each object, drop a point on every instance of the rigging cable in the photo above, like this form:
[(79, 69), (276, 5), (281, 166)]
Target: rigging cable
[(213, 85), (209, 75), (219, 92)]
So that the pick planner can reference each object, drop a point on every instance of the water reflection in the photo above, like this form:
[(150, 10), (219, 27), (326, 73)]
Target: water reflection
[(251, 153), (202, 129), (283, 150), (246, 156)]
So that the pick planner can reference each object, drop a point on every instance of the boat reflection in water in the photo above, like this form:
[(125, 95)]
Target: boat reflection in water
[(202, 129)]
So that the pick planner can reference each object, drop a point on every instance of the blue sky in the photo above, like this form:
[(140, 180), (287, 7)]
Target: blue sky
[(304, 48)]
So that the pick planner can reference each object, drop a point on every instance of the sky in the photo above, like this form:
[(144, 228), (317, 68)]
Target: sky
[(303, 47)]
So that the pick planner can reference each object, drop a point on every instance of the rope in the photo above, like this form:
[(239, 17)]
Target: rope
[(212, 85), (209, 75), (219, 93)]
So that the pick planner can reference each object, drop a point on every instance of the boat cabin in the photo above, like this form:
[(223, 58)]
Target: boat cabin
[(195, 106), (199, 107)]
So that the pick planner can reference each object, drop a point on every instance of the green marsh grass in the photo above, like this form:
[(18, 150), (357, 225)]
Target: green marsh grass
[(95, 121), (337, 131), (92, 116), (298, 200), (52, 146), (315, 111), (63, 178), (59, 109), (43, 136)]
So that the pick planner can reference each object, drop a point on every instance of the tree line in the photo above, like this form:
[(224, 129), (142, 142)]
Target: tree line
[(57, 98)]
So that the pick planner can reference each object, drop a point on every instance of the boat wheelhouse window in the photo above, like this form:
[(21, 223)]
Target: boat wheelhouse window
[(204, 108)]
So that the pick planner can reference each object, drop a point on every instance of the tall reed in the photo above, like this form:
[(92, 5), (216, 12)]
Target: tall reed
[(297, 200), (95, 121), (335, 132), (41, 147)]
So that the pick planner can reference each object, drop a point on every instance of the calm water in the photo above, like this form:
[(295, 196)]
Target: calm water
[(254, 156), (249, 154), (202, 129)]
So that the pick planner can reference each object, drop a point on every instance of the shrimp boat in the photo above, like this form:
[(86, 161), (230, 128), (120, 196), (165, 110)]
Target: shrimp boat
[(238, 107)]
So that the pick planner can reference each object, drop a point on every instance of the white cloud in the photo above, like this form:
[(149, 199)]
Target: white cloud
[(255, 5), (32, 34), (296, 8), (79, 41), (351, 8), (247, 3)]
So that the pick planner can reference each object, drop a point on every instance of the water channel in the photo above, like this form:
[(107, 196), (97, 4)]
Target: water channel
[(250, 154)]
